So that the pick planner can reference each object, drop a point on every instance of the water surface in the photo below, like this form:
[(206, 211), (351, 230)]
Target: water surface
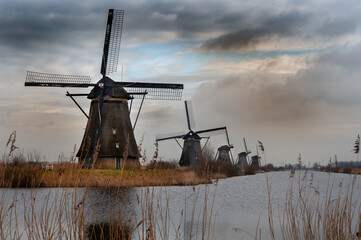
[(236, 208)]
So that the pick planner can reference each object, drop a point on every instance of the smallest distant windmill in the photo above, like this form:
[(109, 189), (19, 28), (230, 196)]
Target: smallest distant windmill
[(243, 158), (191, 151), (256, 160), (224, 153)]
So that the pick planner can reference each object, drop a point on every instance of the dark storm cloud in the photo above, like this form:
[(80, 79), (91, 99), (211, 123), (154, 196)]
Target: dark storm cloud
[(304, 25), (339, 27), (25, 26), (184, 20), (31, 24), (286, 24)]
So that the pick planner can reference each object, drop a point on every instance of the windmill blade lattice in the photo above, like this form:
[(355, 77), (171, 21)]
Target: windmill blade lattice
[(112, 40), (115, 38), (155, 91), (56, 80)]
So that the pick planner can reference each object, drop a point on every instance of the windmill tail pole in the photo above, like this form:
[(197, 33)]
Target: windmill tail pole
[(178, 143), (227, 136), (95, 144), (229, 144), (205, 143), (187, 113), (230, 151), (131, 104), (215, 157), (245, 146), (70, 95), (140, 108)]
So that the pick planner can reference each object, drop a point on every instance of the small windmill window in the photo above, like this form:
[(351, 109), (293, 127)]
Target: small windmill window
[(117, 145), (114, 131)]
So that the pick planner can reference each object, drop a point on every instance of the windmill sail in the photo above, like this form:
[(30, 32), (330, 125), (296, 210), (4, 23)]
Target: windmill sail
[(155, 91), (221, 129), (112, 40), (191, 151), (171, 137), (56, 80), (190, 115)]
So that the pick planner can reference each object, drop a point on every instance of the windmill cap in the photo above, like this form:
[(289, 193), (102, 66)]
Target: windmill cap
[(105, 87), (242, 154), (193, 135), (224, 148)]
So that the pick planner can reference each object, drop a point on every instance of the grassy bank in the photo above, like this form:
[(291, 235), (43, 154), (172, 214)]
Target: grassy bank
[(34, 176)]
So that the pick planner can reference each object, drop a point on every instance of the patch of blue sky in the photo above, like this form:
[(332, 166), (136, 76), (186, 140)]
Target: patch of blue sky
[(172, 56), (239, 56), (179, 58), (163, 49)]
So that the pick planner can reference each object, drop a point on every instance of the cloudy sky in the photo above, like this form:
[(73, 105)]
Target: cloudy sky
[(286, 73)]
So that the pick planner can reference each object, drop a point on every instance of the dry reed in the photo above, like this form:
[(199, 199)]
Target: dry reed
[(308, 215)]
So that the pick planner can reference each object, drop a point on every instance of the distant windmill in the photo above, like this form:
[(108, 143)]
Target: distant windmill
[(256, 160), (191, 151), (109, 133), (224, 153), (243, 158)]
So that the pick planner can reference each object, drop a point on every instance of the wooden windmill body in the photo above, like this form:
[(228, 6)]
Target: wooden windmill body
[(242, 160), (224, 154), (108, 140), (192, 150), (243, 157), (255, 164), (115, 131)]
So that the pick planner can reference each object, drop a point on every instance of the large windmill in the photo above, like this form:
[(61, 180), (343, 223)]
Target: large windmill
[(191, 151), (108, 139)]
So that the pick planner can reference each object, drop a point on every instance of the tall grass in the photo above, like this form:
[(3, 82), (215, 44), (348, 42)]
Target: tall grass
[(307, 214), (113, 213)]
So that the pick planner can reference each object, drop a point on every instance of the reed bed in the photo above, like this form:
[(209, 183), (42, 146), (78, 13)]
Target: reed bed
[(100, 213), (34, 176), (312, 213), (309, 214)]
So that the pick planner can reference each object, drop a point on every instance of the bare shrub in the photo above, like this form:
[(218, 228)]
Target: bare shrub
[(161, 165)]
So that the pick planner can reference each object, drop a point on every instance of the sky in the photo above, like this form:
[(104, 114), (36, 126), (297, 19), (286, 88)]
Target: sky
[(286, 73)]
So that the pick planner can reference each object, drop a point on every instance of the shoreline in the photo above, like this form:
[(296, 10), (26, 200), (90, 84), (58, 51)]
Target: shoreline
[(28, 176)]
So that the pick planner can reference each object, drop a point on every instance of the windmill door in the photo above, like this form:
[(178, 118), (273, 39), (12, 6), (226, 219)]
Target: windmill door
[(118, 163)]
